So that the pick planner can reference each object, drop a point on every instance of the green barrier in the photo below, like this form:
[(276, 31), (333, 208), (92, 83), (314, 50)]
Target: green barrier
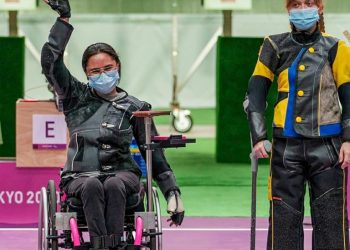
[(236, 59), (12, 51)]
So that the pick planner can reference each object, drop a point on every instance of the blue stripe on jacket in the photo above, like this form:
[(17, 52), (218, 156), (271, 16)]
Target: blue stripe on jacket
[(289, 130)]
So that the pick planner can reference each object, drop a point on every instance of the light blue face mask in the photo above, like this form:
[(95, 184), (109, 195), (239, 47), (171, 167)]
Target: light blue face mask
[(304, 19), (104, 83)]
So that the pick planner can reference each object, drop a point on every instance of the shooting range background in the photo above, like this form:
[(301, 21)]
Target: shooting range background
[(214, 173), (147, 64)]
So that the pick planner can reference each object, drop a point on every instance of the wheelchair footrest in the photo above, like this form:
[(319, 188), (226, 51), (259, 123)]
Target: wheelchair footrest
[(54, 237), (151, 234), (148, 219), (62, 220)]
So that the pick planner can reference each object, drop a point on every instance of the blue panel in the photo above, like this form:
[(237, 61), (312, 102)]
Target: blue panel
[(292, 74)]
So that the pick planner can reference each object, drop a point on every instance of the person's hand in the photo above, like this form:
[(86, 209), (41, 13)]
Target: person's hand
[(344, 155), (259, 150), (175, 208), (62, 7)]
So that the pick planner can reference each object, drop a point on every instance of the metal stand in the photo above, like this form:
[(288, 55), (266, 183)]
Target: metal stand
[(158, 142), (147, 115), (151, 220), (148, 121), (227, 20), (182, 118), (13, 27)]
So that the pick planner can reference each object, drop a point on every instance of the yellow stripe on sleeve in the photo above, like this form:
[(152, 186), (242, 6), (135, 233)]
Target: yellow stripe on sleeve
[(262, 70), (341, 64), (283, 81)]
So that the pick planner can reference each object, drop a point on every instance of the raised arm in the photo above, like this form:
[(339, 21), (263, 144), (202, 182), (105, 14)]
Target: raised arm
[(52, 52)]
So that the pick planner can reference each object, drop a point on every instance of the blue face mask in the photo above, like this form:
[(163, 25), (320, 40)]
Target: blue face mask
[(104, 83), (304, 19)]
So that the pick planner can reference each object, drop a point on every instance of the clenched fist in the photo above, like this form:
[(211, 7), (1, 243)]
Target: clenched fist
[(62, 7)]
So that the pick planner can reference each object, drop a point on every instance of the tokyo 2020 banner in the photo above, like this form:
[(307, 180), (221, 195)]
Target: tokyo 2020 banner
[(20, 193)]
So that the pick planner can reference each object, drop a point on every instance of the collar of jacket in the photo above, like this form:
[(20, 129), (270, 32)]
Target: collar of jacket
[(305, 37)]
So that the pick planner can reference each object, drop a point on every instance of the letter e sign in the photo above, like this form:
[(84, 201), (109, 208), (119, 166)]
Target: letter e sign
[(49, 132)]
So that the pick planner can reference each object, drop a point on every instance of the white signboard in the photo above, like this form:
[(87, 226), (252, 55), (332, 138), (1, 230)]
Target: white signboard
[(49, 132), (17, 4), (228, 4)]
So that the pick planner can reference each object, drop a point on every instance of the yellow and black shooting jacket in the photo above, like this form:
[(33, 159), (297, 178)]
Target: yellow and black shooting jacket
[(313, 82)]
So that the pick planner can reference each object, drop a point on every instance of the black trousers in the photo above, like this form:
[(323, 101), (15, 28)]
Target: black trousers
[(295, 162), (104, 201)]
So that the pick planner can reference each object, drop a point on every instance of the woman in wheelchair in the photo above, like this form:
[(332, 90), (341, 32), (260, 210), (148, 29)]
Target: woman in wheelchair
[(100, 170)]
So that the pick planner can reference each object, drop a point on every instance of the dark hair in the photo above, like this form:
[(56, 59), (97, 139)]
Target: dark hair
[(317, 2), (97, 48)]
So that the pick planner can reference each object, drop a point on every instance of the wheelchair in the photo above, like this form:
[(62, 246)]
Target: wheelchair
[(64, 228), (142, 224)]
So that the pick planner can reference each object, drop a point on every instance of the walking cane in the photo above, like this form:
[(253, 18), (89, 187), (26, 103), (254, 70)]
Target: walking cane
[(254, 169)]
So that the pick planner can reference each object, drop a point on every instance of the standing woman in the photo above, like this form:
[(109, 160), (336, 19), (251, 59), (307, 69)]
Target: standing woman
[(99, 168), (311, 132)]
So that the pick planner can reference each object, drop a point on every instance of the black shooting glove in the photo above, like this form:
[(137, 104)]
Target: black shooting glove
[(62, 7), (175, 208)]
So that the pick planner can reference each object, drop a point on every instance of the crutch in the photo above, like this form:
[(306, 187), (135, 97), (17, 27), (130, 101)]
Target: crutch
[(254, 169)]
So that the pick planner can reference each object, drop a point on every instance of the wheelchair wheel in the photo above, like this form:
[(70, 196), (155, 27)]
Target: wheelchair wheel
[(156, 241), (52, 208), (43, 226)]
